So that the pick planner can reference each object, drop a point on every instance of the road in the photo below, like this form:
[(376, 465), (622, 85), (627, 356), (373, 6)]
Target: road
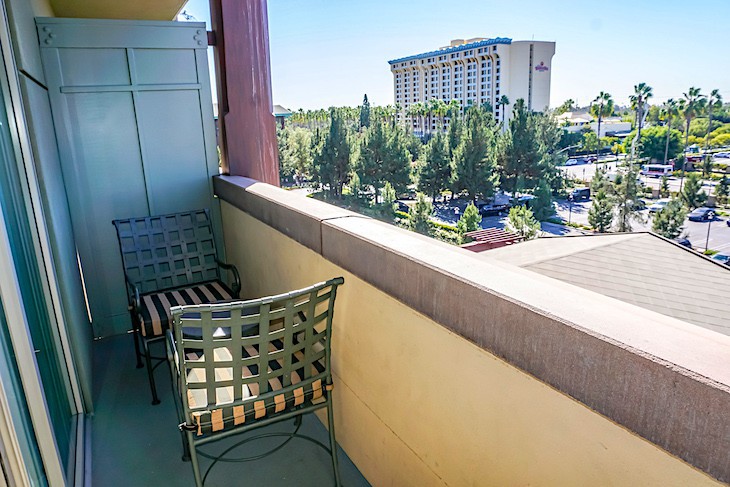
[(696, 232)]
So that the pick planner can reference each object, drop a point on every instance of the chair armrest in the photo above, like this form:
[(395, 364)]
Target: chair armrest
[(236, 286), (133, 291)]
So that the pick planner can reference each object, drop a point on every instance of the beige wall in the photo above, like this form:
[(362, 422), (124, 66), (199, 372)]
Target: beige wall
[(419, 405)]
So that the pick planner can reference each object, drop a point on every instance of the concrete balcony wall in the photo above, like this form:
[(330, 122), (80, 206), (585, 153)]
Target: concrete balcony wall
[(417, 403)]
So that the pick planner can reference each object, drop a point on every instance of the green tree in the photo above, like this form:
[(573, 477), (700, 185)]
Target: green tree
[(355, 185), (567, 106), (707, 166), (473, 161), (388, 197), (600, 215), (714, 101), (654, 145), (332, 163), (522, 222), (398, 162), (365, 113), (419, 215), (469, 221), (590, 142), (692, 194), (722, 190), (627, 191), (435, 169), (371, 162), (300, 150), (668, 113), (502, 103), (670, 220), (542, 205), (642, 93), (691, 105), (520, 154), (664, 188), (602, 106)]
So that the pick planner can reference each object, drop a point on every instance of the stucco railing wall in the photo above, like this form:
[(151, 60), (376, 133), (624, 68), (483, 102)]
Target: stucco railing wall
[(454, 371)]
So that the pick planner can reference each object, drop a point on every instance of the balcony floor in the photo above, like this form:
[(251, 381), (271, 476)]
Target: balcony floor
[(135, 443)]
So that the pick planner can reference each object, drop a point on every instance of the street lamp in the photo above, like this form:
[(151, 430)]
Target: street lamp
[(707, 240), (570, 208)]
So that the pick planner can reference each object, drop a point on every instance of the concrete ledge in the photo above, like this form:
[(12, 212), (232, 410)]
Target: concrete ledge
[(664, 379)]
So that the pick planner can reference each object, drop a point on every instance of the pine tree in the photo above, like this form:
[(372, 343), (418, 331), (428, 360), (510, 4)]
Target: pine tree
[(670, 220), (600, 215), (373, 153), (664, 188), (520, 153), (397, 167), (388, 197), (469, 221), (626, 197), (692, 194), (542, 205), (522, 222), (435, 169), (419, 215), (365, 113), (332, 162), (473, 160), (722, 190)]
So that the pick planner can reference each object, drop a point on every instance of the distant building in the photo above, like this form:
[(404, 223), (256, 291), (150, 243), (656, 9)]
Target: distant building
[(578, 121), (476, 71), (281, 114)]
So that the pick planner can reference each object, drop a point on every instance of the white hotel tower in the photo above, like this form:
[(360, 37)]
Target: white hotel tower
[(475, 71)]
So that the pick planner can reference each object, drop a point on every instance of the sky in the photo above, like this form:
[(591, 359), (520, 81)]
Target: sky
[(331, 52)]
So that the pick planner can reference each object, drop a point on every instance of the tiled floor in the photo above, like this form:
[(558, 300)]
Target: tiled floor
[(137, 444)]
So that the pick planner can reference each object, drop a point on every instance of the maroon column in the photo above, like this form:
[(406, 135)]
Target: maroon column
[(247, 129)]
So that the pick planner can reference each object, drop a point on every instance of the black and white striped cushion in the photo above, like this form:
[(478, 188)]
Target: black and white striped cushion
[(155, 312)]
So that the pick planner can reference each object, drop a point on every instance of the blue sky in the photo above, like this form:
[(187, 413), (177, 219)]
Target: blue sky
[(330, 52)]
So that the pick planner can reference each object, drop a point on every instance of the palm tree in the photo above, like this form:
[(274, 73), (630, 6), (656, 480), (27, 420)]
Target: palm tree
[(691, 105), (503, 102), (433, 108), (668, 112), (713, 101), (601, 106), (642, 93), (441, 112)]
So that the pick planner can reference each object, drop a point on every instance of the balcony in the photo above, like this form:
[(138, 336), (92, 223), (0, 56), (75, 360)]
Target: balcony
[(448, 370)]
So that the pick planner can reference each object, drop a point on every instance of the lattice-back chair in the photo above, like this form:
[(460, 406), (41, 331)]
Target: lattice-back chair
[(241, 365), (169, 260)]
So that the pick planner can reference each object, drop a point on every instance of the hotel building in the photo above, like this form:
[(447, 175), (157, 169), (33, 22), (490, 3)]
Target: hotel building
[(474, 72)]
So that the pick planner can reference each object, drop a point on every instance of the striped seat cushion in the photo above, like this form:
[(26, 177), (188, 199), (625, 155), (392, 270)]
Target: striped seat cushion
[(155, 313), (257, 404)]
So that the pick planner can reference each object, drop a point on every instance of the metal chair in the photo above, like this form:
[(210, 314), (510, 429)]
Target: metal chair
[(168, 260), (241, 365)]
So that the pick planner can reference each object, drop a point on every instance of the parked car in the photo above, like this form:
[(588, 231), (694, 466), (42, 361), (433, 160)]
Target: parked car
[(658, 205), (723, 155), (702, 214), (639, 204), (402, 206), (492, 209), (722, 259), (581, 194), (684, 242)]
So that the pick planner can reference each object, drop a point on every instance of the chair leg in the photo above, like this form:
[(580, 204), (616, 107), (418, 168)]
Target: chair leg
[(136, 338), (150, 373), (194, 459), (333, 442)]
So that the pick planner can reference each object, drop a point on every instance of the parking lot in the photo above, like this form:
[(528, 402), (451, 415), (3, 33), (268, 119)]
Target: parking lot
[(696, 232)]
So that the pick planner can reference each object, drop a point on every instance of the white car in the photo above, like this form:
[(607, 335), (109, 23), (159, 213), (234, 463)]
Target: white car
[(658, 206)]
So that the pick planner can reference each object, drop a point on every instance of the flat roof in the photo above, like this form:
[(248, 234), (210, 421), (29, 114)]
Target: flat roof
[(448, 50), (642, 268)]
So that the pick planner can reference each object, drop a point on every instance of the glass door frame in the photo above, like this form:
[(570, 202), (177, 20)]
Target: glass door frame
[(18, 326)]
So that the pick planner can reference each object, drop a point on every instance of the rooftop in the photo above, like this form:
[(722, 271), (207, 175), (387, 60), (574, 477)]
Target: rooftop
[(638, 268), (448, 50)]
